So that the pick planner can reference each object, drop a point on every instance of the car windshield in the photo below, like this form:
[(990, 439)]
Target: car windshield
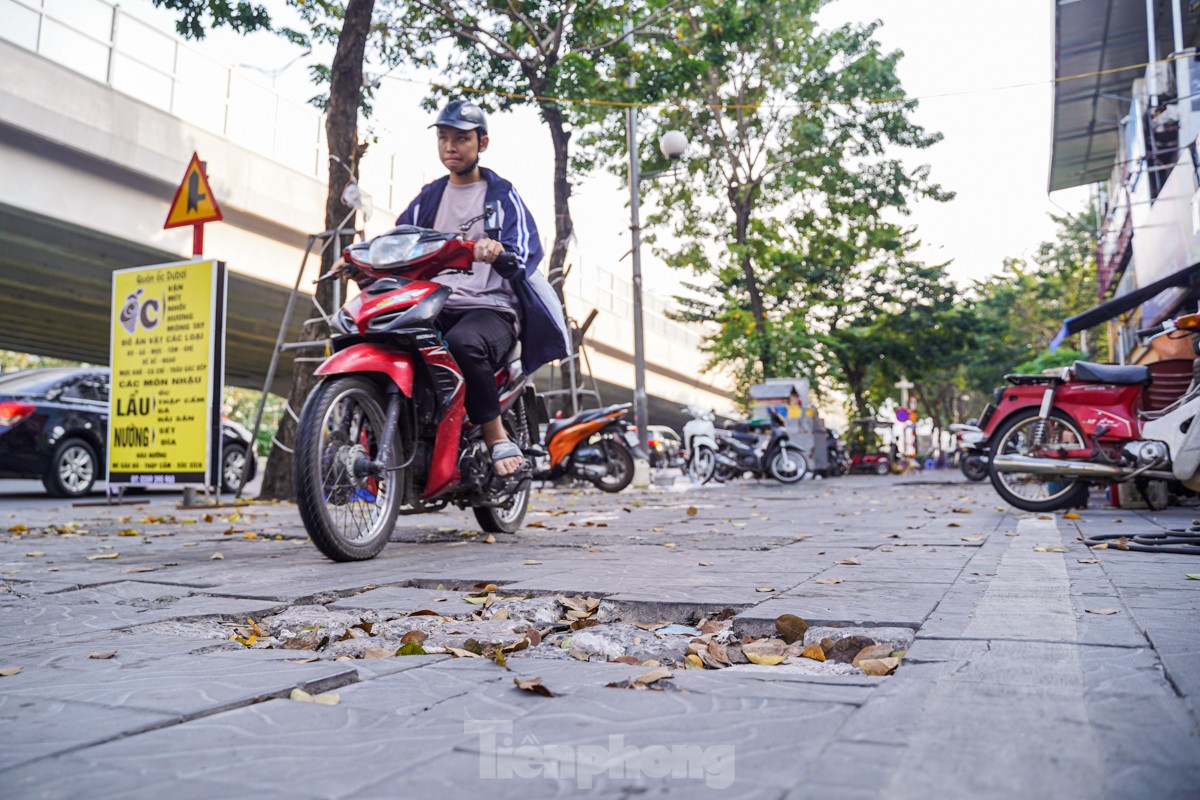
[(34, 381)]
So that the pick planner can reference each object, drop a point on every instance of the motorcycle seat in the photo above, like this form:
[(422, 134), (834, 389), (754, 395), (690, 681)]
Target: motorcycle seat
[(1116, 374), (747, 438), (557, 425)]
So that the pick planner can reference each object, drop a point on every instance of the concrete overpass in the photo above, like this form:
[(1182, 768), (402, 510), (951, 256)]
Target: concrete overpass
[(99, 114)]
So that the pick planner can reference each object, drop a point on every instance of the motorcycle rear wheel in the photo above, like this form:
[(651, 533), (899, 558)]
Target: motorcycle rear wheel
[(619, 461), (974, 467), (349, 517), (509, 516), (1029, 491), (787, 465)]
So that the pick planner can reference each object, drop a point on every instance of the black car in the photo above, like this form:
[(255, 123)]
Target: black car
[(54, 426)]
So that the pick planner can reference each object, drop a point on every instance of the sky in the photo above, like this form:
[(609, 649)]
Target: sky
[(958, 56)]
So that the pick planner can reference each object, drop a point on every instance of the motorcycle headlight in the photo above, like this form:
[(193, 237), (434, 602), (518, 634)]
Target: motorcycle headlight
[(396, 251)]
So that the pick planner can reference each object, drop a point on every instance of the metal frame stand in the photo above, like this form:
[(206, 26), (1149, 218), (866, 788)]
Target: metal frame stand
[(334, 236), (569, 363)]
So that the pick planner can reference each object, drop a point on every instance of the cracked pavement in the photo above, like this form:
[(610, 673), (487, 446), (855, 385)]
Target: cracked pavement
[(1013, 684)]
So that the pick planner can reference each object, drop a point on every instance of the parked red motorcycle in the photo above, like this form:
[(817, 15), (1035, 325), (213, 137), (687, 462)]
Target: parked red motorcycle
[(385, 432), (1052, 435)]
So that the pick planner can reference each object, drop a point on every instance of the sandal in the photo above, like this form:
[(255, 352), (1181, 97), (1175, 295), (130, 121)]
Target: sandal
[(506, 449)]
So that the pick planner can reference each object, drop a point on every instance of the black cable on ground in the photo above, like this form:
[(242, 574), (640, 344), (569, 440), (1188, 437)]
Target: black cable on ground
[(1181, 541)]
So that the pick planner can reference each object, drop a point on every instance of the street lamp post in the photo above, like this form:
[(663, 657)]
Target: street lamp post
[(672, 144)]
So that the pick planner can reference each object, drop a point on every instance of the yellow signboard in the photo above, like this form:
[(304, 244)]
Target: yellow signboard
[(167, 352), (194, 202)]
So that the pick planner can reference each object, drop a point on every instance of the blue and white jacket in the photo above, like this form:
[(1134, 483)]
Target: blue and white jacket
[(544, 334)]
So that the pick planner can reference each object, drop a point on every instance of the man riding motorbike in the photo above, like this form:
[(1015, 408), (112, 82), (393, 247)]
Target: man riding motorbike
[(490, 308)]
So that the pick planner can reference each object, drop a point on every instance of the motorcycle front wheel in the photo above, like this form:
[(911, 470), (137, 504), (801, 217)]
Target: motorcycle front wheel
[(1029, 491), (619, 462), (701, 465), (348, 516), (509, 515), (787, 465)]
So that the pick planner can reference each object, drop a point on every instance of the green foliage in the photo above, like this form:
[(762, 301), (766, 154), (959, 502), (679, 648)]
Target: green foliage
[(1062, 357), (1022, 308), (241, 405), (196, 16)]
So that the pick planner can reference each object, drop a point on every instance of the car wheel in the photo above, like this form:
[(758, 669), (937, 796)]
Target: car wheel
[(233, 464), (73, 468)]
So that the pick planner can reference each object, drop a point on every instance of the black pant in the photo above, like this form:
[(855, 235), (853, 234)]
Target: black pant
[(478, 339)]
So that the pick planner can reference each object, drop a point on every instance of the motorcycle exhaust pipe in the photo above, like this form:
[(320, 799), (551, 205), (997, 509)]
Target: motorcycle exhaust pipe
[(1072, 469)]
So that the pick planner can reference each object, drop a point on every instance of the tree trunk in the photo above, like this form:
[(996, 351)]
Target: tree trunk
[(564, 228), (341, 130), (743, 206)]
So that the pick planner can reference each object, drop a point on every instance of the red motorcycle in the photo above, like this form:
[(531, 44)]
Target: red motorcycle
[(1051, 436), (385, 432)]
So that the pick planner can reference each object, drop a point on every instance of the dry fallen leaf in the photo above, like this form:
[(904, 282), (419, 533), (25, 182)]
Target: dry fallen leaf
[(879, 666), (326, 699), (691, 512), (128, 532), (529, 562), (850, 562), (489, 539), (791, 628), (216, 557), (7, 671), (1071, 515), (1088, 560), (1101, 546), (35, 554), (17, 529), (1104, 611), (670, 544), (814, 651), (765, 659), (763, 589), (954, 525), (961, 510), (103, 654), (706, 563), (828, 581), (534, 686), (103, 556), (377, 652), (973, 538), (693, 661), (654, 676), (1051, 548)]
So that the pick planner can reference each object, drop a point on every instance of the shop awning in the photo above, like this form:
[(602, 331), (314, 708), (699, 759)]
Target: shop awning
[(1127, 302)]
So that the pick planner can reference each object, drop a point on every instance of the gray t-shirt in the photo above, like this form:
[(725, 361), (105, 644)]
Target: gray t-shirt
[(483, 287)]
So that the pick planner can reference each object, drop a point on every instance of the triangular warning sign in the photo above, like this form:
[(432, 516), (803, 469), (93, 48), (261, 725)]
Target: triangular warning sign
[(194, 202)]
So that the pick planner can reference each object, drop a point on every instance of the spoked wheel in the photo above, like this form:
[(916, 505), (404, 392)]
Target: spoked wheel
[(1029, 491), (619, 462), (348, 514), (509, 514), (701, 465), (787, 465)]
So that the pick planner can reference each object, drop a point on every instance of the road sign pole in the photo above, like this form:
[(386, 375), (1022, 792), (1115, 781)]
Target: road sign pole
[(198, 239)]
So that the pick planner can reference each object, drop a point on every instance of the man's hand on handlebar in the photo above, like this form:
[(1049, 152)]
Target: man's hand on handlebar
[(486, 250)]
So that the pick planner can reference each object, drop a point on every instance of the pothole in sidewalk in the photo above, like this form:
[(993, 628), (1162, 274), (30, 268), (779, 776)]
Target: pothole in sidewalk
[(510, 627)]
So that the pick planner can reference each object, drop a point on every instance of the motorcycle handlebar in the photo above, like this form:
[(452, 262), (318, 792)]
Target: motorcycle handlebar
[(1153, 330)]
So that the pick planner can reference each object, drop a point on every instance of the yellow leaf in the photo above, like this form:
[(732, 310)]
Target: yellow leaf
[(693, 662), (234, 517), (529, 562), (127, 532), (879, 666), (326, 699), (813, 651), (34, 554), (248, 641), (104, 555), (654, 675), (17, 529), (188, 522), (250, 536), (765, 659), (475, 601), (670, 544), (1071, 515)]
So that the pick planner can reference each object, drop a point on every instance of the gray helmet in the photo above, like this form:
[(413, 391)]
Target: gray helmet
[(464, 115)]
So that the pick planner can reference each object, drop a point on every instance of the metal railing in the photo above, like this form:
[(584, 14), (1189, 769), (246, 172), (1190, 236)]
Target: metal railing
[(98, 39)]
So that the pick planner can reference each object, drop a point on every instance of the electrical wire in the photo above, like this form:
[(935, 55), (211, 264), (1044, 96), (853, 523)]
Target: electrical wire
[(755, 106)]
